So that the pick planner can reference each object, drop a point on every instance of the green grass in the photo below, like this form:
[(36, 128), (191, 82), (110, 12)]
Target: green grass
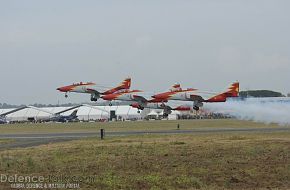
[(5, 141), (195, 161), (125, 126)]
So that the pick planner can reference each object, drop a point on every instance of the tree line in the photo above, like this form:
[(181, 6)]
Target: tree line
[(260, 93)]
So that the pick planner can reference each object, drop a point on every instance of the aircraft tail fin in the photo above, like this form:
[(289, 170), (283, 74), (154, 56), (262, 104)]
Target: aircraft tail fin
[(233, 90), (126, 84), (74, 113), (176, 87)]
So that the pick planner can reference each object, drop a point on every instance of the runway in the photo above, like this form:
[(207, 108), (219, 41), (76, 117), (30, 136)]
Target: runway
[(30, 140)]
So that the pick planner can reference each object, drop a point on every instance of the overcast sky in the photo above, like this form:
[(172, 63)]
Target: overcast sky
[(204, 44)]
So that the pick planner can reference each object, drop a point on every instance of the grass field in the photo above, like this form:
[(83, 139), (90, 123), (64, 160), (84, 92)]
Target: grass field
[(195, 161), (125, 126), (3, 141)]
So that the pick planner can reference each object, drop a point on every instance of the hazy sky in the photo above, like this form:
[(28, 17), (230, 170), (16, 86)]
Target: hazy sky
[(205, 44)]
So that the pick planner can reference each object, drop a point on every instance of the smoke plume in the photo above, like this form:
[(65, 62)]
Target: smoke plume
[(266, 110)]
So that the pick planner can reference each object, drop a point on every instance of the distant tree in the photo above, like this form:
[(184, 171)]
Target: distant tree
[(288, 95), (260, 93)]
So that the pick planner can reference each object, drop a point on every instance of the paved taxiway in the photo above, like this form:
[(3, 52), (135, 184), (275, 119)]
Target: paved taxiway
[(30, 140)]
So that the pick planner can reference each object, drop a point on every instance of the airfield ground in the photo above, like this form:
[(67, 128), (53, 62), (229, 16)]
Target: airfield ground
[(129, 126), (197, 160)]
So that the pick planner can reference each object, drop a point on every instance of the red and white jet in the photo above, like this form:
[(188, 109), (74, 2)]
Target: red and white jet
[(140, 102), (90, 88), (166, 108), (197, 97), (124, 95)]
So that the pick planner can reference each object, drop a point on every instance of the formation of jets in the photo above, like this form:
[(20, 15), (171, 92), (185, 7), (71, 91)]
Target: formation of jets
[(122, 92)]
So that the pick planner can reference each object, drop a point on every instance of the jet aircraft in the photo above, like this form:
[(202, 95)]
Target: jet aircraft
[(57, 117), (90, 88), (141, 102), (166, 108), (196, 96)]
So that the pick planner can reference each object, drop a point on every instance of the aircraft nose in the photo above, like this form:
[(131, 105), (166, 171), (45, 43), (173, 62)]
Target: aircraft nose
[(60, 89), (63, 89)]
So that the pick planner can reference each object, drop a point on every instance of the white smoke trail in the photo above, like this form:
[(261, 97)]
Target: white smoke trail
[(266, 110)]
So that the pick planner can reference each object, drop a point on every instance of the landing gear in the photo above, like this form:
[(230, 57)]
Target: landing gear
[(93, 100), (94, 97), (197, 105), (166, 111), (110, 104), (196, 108), (65, 95), (138, 111), (165, 115)]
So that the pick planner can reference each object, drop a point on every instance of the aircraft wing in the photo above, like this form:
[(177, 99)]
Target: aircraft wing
[(93, 91), (196, 98), (12, 111), (112, 103), (140, 99)]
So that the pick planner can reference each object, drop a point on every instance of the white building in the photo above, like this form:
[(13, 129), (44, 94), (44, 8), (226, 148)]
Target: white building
[(84, 113)]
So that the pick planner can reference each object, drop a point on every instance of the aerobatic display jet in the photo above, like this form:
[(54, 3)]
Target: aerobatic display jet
[(90, 88), (141, 102), (196, 96), (175, 93), (123, 93), (166, 108)]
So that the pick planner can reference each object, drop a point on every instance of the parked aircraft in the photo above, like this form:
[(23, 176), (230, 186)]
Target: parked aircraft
[(196, 96), (57, 117), (3, 119), (90, 88), (61, 118)]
